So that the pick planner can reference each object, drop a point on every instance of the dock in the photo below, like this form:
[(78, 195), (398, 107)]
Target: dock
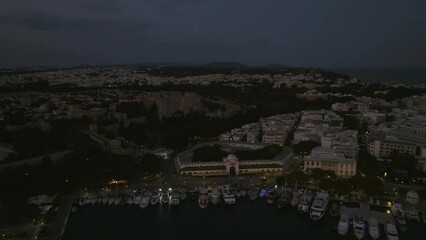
[(366, 213)]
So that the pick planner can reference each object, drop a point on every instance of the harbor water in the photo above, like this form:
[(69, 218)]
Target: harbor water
[(244, 220)]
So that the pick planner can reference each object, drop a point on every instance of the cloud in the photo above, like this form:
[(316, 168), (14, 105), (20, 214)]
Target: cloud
[(47, 22)]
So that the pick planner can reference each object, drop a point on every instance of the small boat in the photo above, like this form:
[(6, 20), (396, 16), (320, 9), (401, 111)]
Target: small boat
[(253, 194), (99, 200), (111, 200), (237, 192), (373, 228), (146, 199), (263, 191), (305, 201), (319, 205), (82, 201), (249, 191), (424, 216), (270, 196), (117, 200), (105, 200), (155, 197), (203, 198), (138, 199), (182, 195), (297, 193), (398, 214), (174, 197), (215, 196), (165, 197), (390, 231), (359, 227), (228, 195), (412, 214), (334, 210), (131, 199), (285, 198), (94, 199), (343, 226), (243, 192)]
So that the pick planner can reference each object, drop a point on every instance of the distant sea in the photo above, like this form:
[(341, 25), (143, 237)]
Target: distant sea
[(410, 76)]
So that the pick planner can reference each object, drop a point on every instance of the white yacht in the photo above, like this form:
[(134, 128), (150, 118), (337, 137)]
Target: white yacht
[(373, 228), (146, 199), (155, 197), (228, 194), (165, 197), (203, 198), (359, 227), (343, 226), (305, 201), (215, 197), (174, 197), (390, 231), (319, 205)]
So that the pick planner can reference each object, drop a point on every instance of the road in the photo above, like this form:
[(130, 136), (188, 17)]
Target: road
[(57, 227)]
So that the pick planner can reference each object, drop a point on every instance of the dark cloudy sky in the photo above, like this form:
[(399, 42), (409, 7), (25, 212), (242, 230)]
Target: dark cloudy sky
[(320, 33)]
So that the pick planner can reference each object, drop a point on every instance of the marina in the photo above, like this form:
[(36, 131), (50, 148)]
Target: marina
[(357, 219)]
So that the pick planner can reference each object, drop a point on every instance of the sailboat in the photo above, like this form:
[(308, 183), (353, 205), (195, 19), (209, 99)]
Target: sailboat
[(297, 193)]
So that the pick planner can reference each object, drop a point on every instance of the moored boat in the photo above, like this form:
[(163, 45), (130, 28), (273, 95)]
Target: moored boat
[(270, 196), (319, 205), (305, 201), (82, 201), (155, 197), (165, 196), (343, 226), (399, 215), (253, 194), (373, 228), (203, 198), (146, 199), (359, 227), (131, 199), (390, 231), (228, 195), (412, 214), (263, 191), (174, 197), (215, 196), (334, 209), (182, 195)]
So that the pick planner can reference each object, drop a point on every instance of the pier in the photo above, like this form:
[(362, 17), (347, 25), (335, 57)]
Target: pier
[(366, 213)]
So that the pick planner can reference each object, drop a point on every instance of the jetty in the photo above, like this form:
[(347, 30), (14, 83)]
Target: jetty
[(366, 213)]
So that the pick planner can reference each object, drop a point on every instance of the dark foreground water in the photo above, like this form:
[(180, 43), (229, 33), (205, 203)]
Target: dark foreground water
[(245, 220)]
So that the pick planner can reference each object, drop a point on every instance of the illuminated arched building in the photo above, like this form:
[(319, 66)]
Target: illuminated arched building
[(230, 165)]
